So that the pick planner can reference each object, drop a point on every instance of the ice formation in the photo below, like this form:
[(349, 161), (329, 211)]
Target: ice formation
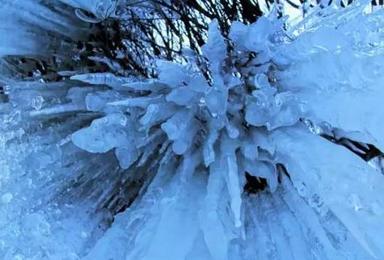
[(101, 166)]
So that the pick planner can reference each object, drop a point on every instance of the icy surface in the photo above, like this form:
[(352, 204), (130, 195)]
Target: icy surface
[(100, 166)]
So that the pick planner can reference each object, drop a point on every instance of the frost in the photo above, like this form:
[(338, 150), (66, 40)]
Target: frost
[(6, 198)]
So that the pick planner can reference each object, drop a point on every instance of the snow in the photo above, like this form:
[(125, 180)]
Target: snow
[(101, 166)]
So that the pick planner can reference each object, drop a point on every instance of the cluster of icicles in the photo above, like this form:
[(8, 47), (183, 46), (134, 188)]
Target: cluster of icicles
[(170, 158)]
